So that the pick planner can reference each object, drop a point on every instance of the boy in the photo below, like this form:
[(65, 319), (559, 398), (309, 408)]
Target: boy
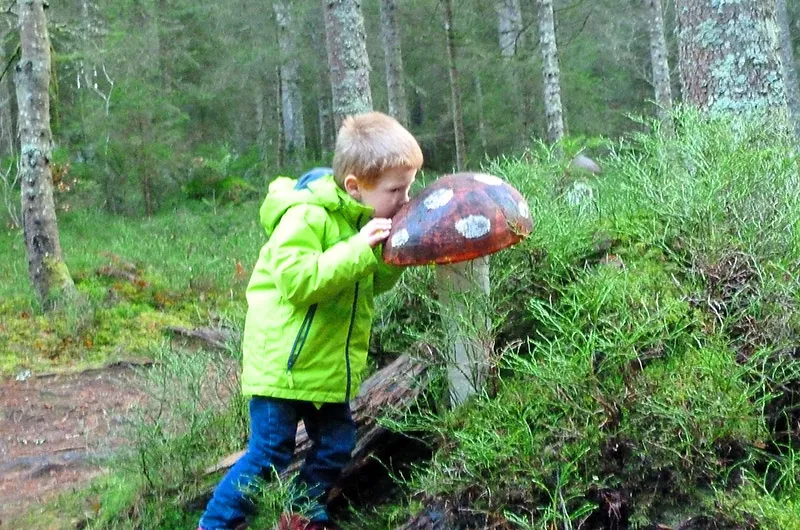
[(310, 310)]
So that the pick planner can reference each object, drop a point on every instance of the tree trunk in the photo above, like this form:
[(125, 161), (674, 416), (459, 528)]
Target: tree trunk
[(393, 56), (789, 67), (728, 56), (291, 95), (260, 106), (347, 58), (87, 72), (481, 118), (327, 133), (509, 29), (659, 61), (281, 136), (455, 93), (551, 72), (6, 123), (46, 268)]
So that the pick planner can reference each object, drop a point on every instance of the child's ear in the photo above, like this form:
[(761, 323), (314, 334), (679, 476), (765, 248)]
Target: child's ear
[(351, 187)]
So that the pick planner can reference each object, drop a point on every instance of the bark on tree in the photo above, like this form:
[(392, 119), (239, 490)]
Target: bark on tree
[(510, 36), (46, 268), (789, 67), (280, 137), (324, 113), (509, 27), (481, 118), (455, 93), (87, 73), (6, 123), (347, 58), (659, 61), (260, 106), (393, 57), (729, 57), (291, 94), (551, 72)]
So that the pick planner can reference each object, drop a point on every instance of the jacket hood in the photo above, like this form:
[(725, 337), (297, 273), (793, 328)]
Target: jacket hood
[(283, 194)]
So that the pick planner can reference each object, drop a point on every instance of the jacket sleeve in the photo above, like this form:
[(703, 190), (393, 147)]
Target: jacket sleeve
[(305, 273), (386, 275)]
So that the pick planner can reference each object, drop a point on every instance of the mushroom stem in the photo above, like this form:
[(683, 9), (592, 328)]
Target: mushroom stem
[(463, 290)]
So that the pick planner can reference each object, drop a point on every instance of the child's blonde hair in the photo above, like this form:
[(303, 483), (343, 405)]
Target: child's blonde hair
[(370, 144)]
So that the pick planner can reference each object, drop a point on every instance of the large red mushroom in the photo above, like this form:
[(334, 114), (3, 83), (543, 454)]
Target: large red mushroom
[(457, 218)]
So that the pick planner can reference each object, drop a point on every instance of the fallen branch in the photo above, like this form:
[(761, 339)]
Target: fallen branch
[(217, 338), (395, 386)]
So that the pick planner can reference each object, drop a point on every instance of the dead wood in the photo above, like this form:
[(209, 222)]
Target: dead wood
[(216, 338), (395, 386), (426, 520)]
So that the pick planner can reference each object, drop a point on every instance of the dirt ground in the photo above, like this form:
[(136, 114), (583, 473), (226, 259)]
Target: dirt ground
[(56, 430)]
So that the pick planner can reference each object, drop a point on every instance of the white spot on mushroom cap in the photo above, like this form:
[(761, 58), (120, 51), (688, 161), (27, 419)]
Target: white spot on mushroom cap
[(491, 180), (473, 226), (438, 198), (524, 211), (400, 238)]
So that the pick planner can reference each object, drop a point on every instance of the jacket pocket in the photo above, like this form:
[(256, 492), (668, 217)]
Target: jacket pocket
[(300, 339)]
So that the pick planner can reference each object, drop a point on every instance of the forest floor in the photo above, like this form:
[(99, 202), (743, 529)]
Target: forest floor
[(58, 430)]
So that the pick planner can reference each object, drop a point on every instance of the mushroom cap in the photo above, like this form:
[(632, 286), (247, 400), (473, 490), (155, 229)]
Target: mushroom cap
[(458, 218)]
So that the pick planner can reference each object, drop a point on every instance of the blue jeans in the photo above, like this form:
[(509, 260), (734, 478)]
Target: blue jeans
[(273, 426)]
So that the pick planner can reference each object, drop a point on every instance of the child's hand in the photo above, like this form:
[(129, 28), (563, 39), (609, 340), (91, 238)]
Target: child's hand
[(376, 231)]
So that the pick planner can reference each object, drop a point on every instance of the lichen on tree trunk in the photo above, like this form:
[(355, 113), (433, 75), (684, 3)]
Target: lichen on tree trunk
[(46, 268), (728, 54), (347, 58)]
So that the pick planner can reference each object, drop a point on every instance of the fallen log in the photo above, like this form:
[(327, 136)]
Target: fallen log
[(216, 338), (396, 386)]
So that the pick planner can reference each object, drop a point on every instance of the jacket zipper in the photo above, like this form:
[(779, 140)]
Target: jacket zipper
[(350, 329), (299, 341), (347, 344)]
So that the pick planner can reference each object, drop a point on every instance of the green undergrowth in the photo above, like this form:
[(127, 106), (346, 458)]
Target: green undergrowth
[(647, 345), (136, 277)]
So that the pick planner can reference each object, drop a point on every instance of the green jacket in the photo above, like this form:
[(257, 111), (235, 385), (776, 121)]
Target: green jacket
[(310, 298)]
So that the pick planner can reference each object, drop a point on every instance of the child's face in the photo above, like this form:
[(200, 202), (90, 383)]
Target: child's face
[(388, 195)]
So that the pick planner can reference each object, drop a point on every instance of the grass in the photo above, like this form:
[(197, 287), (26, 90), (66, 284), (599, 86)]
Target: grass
[(648, 353), (186, 268)]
